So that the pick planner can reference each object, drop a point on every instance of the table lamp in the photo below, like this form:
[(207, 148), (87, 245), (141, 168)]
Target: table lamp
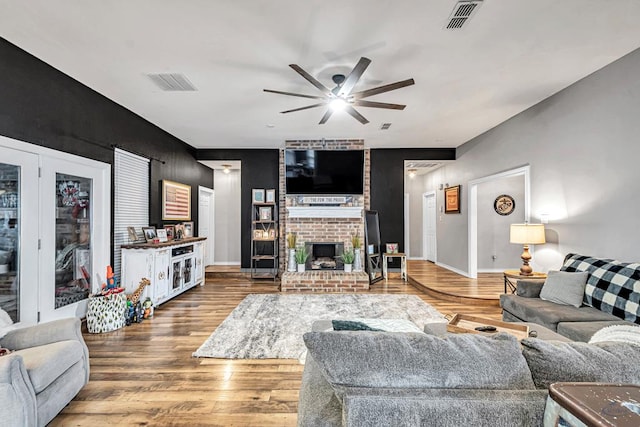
[(526, 234)]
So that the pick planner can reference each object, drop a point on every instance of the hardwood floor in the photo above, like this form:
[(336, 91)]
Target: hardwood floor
[(144, 374)]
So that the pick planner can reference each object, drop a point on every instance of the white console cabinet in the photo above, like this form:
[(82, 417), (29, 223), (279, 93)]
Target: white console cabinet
[(172, 267)]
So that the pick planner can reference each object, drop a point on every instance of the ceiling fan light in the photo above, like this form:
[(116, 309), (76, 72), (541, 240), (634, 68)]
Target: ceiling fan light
[(338, 104)]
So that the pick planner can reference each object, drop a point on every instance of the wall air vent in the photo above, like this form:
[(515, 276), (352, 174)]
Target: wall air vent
[(173, 82), (385, 126), (462, 13)]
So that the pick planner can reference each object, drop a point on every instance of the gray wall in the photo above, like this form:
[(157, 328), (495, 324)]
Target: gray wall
[(493, 229), (582, 145)]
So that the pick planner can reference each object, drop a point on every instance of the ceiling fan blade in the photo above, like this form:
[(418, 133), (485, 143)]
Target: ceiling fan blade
[(326, 116), (359, 117), (304, 108), (382, 89), (354, 76), (311, 79), (363, 103), (294, 94)]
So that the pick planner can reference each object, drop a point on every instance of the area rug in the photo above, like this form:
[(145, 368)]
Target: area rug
[(270, 326)]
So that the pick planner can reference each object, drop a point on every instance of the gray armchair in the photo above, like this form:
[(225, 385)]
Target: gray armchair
[(49, 366)]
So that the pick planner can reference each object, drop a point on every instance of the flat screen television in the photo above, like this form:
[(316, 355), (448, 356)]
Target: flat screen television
[(324, 171)]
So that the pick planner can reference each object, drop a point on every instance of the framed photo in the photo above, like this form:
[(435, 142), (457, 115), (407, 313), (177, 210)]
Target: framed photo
[(149, 234), (392, 248), (265, 234), (257, 234), (272, 233), (452, 200), (188, 229), (171, 231), (265, 214), (271, 196), (179, 234), (257, 195), (162, 234), (133, 235), (176, 201)]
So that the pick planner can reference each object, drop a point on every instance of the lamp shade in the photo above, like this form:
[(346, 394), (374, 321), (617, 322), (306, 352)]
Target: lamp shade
[(527, 234)]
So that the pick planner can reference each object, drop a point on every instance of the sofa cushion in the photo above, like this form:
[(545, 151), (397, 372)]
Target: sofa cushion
[(47, 362), (608, 362), (583, 331), (564, 287), (549, 314), (408, 360), (613, 286)]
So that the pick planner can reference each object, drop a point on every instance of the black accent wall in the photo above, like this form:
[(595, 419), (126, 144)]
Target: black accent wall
[(387, 186), (259, 169), (43, 106)]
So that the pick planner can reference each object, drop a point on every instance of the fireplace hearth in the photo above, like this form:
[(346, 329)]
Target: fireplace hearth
[(324, 255)]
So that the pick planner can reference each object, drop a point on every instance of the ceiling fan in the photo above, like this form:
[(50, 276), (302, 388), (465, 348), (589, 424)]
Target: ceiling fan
[(341, 97)]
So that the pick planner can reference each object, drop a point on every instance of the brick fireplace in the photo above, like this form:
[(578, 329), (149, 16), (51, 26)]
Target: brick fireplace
[(329, 223)]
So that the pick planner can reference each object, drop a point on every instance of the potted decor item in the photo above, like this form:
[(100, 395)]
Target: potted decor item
[(301, 258), (347, 259), (291, 246), (357, 262)]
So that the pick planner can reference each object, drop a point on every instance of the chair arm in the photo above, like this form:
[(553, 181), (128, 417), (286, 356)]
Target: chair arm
[(18, 404), (43, 333), (529, 288)]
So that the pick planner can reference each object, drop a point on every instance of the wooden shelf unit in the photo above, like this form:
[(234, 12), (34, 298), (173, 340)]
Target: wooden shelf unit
[(264, 240)]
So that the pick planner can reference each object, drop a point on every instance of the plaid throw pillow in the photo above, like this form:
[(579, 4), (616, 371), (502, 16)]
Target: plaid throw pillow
[(612, 287)]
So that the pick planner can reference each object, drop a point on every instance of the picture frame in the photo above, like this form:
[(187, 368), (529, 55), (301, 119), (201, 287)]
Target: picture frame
[(162, 235), (257, 195), (179, 232), (265, 235), (149, 234), (265, 214), (391, 248), (171, 231), (188, 229), (176, 201), (452, 199), (257, 234), (132, 235), (271, 196), (272, 234)]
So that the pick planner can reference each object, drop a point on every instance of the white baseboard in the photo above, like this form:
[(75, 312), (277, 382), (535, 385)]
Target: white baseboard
[(455, 270), (226, 263), (416, 258), (492, 270)]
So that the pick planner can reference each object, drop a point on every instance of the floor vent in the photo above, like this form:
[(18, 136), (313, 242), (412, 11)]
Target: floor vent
[(385, 126), (172, 82), (462, 13)]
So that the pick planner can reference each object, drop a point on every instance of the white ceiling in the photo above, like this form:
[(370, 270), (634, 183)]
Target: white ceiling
[(511, 55)]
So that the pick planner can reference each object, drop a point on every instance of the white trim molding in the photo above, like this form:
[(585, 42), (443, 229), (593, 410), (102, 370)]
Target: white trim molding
[(325, 211)]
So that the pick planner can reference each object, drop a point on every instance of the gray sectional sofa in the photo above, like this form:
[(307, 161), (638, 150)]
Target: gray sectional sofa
[(363, 378), (611, 297)]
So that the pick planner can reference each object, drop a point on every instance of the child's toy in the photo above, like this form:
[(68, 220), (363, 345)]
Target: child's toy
[(147, 304), (111, 280), (135, 296)]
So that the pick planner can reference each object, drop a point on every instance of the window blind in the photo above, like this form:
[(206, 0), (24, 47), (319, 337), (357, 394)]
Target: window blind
[(131, 200)]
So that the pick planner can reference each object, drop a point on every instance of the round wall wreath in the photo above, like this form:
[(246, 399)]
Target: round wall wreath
[(504, 205)]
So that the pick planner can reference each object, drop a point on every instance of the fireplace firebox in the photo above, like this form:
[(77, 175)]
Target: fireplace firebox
[(324, 255)]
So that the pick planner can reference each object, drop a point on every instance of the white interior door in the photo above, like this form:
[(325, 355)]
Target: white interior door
[(75, 225), (429, 216), (19, 235), (206, 222)]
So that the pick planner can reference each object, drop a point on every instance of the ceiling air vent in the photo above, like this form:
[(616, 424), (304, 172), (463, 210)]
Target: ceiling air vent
[(462, 12), (385, 126), (173, 82)]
